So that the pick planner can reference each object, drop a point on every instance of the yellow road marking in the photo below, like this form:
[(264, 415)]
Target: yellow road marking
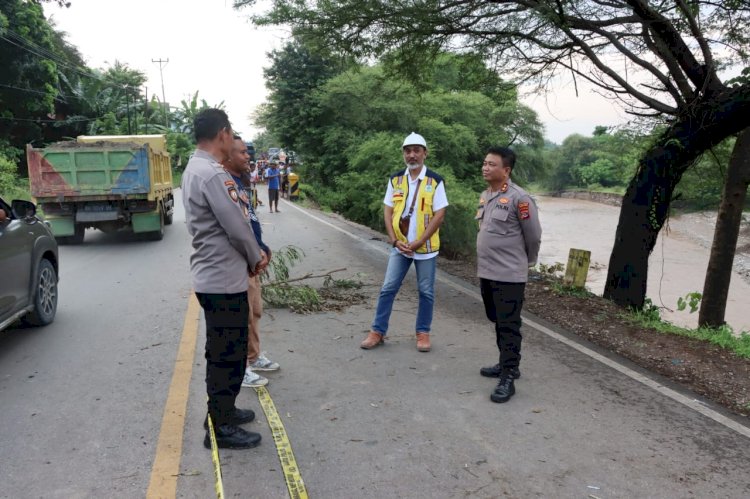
[(166, 468), (219, 485), (292, 475)]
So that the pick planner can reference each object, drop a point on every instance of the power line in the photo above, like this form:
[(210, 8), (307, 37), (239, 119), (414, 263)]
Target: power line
[(24, 89), (33, 48), (60, 97)]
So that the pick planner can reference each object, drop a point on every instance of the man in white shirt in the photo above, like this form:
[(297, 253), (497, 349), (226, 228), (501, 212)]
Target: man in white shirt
[(415, 204)]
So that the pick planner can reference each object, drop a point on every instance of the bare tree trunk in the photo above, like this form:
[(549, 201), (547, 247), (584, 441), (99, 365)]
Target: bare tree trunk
[(645, 207), (719, 272)]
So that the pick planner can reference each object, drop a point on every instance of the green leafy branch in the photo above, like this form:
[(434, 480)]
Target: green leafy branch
[(691, 300)]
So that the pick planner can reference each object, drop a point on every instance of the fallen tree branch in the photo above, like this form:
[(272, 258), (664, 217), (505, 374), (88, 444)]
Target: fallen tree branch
[(306, 276)]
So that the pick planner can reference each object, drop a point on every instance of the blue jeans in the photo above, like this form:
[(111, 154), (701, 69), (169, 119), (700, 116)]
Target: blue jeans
[(398, 266)]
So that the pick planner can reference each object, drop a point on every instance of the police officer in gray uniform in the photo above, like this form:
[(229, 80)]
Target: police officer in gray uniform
[(507, 245), (225, 252)]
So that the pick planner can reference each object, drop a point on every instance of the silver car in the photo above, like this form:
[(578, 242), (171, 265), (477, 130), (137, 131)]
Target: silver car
[(28, 266)]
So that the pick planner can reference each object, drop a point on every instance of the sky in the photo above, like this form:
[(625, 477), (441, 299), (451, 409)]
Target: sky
[(216, 51)]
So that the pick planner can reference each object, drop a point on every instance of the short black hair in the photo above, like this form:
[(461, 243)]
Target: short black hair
[(209, 122), (509, 157)]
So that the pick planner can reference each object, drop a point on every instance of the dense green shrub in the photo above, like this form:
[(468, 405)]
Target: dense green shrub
[(8, 175)]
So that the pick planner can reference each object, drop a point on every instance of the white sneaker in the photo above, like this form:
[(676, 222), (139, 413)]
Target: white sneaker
[(263, 363), (251, 379)]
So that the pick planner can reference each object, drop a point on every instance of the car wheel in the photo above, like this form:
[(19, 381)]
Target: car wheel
[(45, 296)]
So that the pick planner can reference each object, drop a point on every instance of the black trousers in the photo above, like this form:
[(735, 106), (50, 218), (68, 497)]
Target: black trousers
[(502, 303), (226, 350)]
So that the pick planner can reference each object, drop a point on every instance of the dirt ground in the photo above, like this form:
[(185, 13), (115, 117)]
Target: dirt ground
[(708, 370)]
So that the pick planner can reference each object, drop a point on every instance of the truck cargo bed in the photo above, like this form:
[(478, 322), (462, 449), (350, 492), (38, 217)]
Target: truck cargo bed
[(116, 170)]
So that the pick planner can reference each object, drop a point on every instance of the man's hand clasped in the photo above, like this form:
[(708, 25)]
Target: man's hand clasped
[(407, 249), (261, 266)]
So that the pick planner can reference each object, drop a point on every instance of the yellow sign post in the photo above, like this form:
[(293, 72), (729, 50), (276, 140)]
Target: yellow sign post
[(578, 268)]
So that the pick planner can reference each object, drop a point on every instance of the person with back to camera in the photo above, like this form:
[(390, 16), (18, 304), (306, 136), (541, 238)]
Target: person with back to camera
[(225, 253)]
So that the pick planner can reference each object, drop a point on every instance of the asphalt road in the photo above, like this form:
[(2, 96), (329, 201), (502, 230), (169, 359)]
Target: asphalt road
[(83, 398)]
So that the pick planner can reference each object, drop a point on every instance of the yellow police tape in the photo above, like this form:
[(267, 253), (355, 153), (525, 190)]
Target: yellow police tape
[(215, 457), (292, 475)]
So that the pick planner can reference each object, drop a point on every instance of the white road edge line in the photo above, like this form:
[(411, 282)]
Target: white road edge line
[(694, 404)]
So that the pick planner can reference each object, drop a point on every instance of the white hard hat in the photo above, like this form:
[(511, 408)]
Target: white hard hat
[(414, 139)]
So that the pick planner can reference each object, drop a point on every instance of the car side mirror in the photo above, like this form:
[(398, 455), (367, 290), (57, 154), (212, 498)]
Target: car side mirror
[(23, 209)]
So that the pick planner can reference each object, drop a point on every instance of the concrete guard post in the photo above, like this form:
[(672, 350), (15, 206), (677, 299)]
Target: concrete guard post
[(578, 268), (293, 186)]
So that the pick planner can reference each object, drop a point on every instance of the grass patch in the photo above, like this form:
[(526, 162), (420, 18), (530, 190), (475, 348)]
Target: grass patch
[(649, 318), (563, 289), (611, 190), (723, 336)]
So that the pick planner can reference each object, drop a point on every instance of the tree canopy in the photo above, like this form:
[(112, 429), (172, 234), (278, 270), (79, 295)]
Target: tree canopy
[(656, 56), (38, 67)]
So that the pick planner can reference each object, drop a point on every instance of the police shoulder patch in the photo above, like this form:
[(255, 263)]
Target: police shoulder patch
[(233, 194), (523, 210)]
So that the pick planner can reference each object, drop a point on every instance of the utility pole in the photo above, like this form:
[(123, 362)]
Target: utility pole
[(163, 98), (135, 112), (127, 104), (146, 109)]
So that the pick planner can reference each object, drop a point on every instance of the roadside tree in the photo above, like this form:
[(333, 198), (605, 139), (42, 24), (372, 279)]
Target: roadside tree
[(36, 65), (728, 220)]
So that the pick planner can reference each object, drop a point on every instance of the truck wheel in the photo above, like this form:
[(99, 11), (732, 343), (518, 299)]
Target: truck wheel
[(45, 296), (76, 238), (157, 235)]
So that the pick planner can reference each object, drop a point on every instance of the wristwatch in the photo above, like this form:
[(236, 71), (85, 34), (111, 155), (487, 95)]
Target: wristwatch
[(394, 243)]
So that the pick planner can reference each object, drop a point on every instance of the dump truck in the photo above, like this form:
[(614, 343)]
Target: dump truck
[(108, 182)]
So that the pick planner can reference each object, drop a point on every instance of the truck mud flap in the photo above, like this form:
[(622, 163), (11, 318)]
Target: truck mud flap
[(62, 226), (146, 222)]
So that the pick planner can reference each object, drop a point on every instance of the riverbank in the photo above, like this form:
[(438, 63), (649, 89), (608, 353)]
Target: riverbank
[(677, 265), (691, 224)]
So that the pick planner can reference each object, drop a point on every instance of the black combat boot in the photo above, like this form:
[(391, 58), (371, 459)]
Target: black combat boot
[(496, 370), (232, 437), (504, 389), (239, 416)]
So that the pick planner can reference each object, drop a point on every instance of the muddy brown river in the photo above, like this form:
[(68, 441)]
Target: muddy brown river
[(677, 265)]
